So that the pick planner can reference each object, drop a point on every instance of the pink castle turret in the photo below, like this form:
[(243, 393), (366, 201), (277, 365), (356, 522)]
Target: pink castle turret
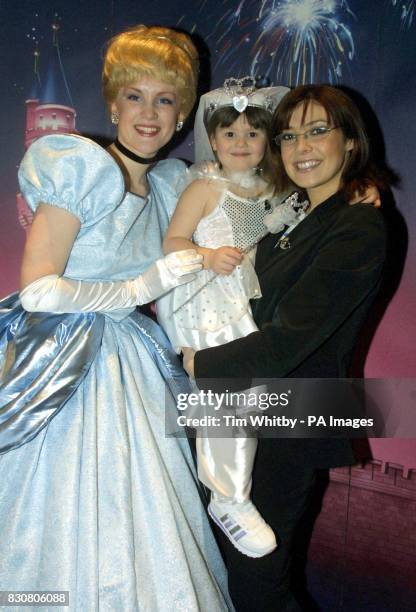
[(49, 111), (52, 118)]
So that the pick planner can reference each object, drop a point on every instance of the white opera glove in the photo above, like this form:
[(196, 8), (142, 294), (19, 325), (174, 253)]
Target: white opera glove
[(59, 294), (177, 268)]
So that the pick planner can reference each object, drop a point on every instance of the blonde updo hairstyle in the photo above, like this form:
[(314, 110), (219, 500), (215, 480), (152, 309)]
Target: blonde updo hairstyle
[(153, 52)]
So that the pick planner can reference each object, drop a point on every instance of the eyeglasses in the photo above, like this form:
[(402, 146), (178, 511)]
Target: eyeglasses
[(315, 134)]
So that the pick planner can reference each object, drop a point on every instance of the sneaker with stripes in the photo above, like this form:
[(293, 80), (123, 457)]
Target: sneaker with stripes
[(243, 525)]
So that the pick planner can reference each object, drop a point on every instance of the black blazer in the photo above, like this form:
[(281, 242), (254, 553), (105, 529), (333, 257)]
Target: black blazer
[(315, 297)]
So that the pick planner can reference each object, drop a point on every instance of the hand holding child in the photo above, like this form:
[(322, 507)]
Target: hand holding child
[(188, 360), (371, 195)]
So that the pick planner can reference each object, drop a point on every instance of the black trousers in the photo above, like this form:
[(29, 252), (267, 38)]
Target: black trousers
[(282, 483)]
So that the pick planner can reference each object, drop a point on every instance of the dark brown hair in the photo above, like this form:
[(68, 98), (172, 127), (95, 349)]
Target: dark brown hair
[(341, 111), (257, 118)]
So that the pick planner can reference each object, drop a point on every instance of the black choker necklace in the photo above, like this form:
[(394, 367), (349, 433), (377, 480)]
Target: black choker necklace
[(133, 156)]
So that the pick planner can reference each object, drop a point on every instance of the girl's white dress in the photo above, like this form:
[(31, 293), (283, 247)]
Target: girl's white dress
[(215, 309)]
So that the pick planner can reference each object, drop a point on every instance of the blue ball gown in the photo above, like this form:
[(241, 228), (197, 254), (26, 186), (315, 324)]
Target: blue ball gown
[(95, 499)]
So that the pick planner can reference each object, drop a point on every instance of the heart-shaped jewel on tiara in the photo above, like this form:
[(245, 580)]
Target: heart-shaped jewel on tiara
[(240, 103)]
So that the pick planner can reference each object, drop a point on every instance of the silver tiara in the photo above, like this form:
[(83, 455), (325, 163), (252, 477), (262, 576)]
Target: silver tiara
[(239, 94), (239, 90)]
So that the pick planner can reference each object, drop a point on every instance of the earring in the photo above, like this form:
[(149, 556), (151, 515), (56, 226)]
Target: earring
[(179, 126), (114, 118)]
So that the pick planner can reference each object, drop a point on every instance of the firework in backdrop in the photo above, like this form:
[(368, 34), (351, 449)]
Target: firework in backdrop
[(407, 11), (288, 41)]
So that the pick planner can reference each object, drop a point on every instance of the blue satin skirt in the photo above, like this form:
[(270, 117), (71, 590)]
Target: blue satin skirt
[(94, 499)]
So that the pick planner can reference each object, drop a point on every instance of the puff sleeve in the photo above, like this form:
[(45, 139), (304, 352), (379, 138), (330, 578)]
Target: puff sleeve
[(73, 173)]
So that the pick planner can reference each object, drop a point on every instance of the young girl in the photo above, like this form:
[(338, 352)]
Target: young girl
[(223, 212)]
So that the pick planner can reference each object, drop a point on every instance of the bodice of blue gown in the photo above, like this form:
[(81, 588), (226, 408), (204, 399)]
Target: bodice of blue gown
[(120, 236), (121, 233)]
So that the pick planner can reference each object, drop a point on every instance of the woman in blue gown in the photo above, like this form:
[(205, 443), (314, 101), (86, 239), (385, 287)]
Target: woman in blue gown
[(95, 499)]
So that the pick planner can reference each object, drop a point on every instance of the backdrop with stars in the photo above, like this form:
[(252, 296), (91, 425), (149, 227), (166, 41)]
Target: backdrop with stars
[(55, 49), (365, 46)]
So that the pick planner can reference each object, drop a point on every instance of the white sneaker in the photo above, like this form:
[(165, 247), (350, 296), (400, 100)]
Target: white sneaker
[(244, 526)]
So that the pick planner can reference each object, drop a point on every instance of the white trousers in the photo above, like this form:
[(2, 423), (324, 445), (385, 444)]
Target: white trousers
[(225, 465)]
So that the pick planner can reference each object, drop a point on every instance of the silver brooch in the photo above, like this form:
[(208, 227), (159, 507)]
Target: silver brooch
[(284, 243)]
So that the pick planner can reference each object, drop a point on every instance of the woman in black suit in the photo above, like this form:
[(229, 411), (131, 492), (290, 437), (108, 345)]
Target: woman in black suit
[(318, 279)]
